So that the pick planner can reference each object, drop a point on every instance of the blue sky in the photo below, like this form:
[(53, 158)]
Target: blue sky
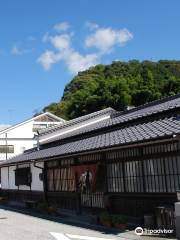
[(44, 43)]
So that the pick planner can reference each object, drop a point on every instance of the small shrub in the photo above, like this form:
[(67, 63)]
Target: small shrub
[(42, 206), (52, 210), (105, 217), (119, 219)]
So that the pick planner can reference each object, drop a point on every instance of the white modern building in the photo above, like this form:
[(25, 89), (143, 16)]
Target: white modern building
[(16, 139), (8, 174)]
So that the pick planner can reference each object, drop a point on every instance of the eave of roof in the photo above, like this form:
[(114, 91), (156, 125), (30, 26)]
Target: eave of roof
[(157, 129)]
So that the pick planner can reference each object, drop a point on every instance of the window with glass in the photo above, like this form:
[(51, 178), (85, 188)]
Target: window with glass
[(37, 127), (161, 174), (115, 177), (6, 148), (133, 176), (61, 179)]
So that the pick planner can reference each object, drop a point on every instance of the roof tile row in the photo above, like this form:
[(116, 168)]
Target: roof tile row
[(133, 134)]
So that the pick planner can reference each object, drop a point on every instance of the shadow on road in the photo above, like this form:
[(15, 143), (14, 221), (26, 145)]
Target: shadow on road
[(62, 220)]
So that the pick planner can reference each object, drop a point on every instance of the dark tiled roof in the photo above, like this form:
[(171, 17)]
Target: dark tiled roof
[(137, 132), (141, 132), (79, 120), (152, 108), (95, 126), (125, 117)]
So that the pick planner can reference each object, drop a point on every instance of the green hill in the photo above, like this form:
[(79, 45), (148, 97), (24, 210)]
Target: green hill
[(117, 85)]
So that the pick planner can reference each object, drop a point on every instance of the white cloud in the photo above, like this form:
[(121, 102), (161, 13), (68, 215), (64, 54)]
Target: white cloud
[(17, 51), (77, 62), (63, 51), (73, 59), (48, 58), (61, 27), (104, 39), (61, 42)]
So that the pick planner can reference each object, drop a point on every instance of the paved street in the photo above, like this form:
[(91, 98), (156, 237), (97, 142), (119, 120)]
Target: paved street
[(18, 226)]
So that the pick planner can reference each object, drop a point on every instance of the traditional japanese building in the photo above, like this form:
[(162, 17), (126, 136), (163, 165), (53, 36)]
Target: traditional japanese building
[(126, 162)]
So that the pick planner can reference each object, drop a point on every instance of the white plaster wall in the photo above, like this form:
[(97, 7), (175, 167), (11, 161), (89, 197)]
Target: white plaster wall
[(19, 145), (24, 133), (8, 180), (24, 130), (37, 184), (4, 178), (21, 136), (12, 177), (21, 131)]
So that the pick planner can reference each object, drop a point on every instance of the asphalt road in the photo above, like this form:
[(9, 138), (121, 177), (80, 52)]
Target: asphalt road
[(18, 226)]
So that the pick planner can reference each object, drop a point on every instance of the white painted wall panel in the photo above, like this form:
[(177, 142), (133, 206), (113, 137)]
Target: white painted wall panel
[(37, 184), (4, 178), (8, 180), (12, 177), (21, 131)]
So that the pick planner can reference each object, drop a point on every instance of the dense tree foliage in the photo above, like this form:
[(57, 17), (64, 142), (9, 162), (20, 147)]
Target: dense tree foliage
[(117, 85)]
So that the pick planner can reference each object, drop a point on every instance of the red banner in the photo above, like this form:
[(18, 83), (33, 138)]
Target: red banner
[(85, 177)]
